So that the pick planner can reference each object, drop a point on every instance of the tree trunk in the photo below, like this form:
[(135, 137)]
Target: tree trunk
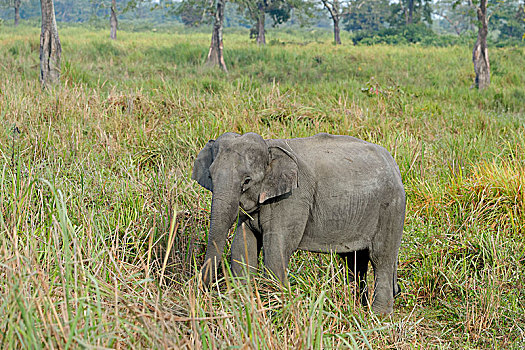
[(215, 55), (50, 48), (333, 9), (261, 37), (480, 55), (410, 18), (17, 11), (337, 36), (113, 23)]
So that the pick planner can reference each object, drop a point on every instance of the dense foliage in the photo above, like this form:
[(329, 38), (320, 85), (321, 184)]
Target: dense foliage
[(414, 33)]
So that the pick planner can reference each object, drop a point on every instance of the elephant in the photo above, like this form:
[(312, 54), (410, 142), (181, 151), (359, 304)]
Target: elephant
[(323, 193)]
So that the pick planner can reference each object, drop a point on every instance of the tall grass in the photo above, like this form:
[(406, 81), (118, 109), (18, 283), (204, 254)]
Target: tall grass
[(102, 231)]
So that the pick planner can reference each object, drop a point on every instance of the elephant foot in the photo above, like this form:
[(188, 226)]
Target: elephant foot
[(382, 308), (209, 272)]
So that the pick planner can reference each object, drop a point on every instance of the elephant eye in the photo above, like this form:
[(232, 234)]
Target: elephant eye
[(246, 183)]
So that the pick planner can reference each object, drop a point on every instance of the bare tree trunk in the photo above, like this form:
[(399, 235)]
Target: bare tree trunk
[(261, 37), (215, 55), (480, 54), (410, 18), (17, 11), (50, 48), (337, 32), (113, 22)]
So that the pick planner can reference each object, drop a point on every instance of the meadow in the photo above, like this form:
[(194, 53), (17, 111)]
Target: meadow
[(102, 230)]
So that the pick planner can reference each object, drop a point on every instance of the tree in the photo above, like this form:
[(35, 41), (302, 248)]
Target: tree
[(508, 19), (458, 16), (215, 55), (192, 13), (505, 18), (50, 48), (261, 11), (256, 11), (368, 15), (335, 8), (407, 12), (113, 22), (15, 4), (480, 54), (102, 7), (197, 9), (410, 17), (338, 9), (278, 10)]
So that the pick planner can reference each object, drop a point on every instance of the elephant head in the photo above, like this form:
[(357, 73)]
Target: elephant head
[(240, 171)]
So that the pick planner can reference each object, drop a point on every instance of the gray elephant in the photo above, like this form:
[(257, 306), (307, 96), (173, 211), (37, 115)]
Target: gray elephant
[(323, 193)]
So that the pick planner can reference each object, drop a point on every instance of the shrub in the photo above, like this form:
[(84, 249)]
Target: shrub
[(411, 34)]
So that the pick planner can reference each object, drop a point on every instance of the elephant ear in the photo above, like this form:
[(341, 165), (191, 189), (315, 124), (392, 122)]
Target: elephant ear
[(201, 166), (281, 174)]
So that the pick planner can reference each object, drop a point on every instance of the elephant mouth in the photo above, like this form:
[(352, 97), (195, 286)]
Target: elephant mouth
[(249, 210)]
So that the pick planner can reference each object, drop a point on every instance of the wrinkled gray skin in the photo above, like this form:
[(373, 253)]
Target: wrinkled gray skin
[(321, 194)]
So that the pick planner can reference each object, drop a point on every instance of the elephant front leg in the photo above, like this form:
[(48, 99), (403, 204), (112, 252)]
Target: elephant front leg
[(245, 250), (278, 248), (277, 254), (283, 224)]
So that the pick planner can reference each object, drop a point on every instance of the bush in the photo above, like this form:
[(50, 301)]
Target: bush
[(506, 42), (411, 34)]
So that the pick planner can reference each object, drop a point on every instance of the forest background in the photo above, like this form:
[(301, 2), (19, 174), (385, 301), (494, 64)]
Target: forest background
[(442, 22)]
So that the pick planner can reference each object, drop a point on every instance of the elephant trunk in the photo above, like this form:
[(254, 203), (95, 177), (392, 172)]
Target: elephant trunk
[(224, 211)]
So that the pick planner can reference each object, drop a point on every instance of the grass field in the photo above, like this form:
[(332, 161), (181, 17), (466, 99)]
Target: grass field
[(102, 230)]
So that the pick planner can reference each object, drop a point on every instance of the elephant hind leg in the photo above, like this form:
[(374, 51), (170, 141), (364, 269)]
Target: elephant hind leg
[(384, 258), (357, 267), (386, 288)]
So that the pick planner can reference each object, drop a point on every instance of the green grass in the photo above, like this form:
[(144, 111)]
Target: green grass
[(102, 230)]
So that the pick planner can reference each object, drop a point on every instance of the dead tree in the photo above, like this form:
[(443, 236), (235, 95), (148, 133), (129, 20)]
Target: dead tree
[(50, 48), (215, 55), (480, 54)]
